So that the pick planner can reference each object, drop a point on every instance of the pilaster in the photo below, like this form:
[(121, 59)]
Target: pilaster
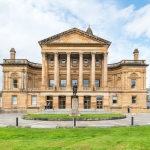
[(105, 70), (68, 72), (93, 71), (56, 70), (80, 71)]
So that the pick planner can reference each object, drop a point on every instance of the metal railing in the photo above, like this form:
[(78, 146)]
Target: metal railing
[(32, 89), (99, 88)]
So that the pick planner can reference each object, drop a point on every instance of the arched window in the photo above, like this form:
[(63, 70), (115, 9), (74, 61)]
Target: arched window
[(14, 77)]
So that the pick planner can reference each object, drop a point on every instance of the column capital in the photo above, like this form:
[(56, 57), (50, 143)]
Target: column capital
[(44, 54), (105, 54), (93, 53), (56, 53), (68, 53), (81, 53)]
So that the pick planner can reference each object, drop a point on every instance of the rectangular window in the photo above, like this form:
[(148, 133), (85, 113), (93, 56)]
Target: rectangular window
[(99, 102), (133, 99), (114, 99), (51, 83), (97, 61), (85, 61), (15, 83), (74, 81), (74, 61), (133, 84), (97, 83), (63, 83), (52, 60), (14, 100), (86, 83), (33, 100), (63, 61)]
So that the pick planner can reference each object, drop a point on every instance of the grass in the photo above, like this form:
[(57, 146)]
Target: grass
[(67, 116), (122, 138)]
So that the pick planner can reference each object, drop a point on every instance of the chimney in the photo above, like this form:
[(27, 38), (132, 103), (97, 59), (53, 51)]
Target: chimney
[(12, 53), (136, 54)]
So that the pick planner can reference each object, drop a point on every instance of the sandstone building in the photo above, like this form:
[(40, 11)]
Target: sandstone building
[(74, 56)]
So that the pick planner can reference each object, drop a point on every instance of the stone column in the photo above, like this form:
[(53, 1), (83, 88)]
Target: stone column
[(68, 72), (6, 80), (43, 70), (93, 71), (105, 70), (22, 80), (46, 72), (56, 70), (80, 71)]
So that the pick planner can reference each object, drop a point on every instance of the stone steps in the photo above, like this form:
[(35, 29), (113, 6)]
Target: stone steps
[(68, 111)]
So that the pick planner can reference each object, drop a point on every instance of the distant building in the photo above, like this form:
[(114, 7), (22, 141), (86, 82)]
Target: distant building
[(74, 56)]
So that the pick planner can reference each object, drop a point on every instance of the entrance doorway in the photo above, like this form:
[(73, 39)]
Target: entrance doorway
[(99, 102), (62, 102), (49, 100), (87, 102)]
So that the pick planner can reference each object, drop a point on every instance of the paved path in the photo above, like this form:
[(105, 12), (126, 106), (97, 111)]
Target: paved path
[(10, 120)]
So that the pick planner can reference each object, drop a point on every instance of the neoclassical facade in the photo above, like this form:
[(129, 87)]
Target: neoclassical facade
[(74, 56)]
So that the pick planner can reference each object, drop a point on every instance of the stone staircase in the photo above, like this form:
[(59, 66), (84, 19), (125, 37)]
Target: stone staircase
[(67, 111)]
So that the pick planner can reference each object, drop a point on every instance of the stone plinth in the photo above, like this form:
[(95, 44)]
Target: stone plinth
[(74, 110)]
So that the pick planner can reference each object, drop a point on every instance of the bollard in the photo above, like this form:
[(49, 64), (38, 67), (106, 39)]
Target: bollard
[(17, 121), (132, 121), (74, 120)]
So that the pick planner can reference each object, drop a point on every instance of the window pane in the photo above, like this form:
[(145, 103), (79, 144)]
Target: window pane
[(14, 100), (133, 99), (97, 60), (99, 97), (86, 83), (33, 100), (15, 83), (114, 99), (74, 61), (63, 83), (52, 60), (63, 61), (51, 83), (133, 84), (74, 81), (85, 61), (97, 83)]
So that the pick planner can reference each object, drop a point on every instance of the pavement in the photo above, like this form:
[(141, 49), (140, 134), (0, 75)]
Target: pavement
[(141, 119)]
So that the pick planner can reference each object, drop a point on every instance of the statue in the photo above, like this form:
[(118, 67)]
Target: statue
[(74, 90)]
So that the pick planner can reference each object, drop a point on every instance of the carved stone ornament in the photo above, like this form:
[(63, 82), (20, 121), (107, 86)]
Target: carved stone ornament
[(14, 74), (63, 65), (133, 75)]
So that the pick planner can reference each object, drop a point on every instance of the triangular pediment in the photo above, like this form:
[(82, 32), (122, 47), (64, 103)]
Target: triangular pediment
[(74, 36)]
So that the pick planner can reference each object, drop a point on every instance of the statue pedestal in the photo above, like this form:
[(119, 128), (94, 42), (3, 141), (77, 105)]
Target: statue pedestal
[(74, 110)]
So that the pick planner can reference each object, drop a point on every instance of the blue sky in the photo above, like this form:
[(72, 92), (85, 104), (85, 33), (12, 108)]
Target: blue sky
[(126, 23)]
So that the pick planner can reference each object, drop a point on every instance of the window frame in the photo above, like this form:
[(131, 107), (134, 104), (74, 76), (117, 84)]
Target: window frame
[(13, 100), (61, 85), (51, 60), (133, 84), (15, 83), (35, 100), (74, 60), (85, 61), (63, 60), (113, 100), (134, 100), (83, 83), (96, 61), (50, 83)]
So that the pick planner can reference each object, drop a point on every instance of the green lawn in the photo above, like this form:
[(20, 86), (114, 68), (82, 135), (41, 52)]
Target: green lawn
[(67, 116), (122, 138)]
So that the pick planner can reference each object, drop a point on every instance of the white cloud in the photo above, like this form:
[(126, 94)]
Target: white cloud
[(139, 24), (24, 23)]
